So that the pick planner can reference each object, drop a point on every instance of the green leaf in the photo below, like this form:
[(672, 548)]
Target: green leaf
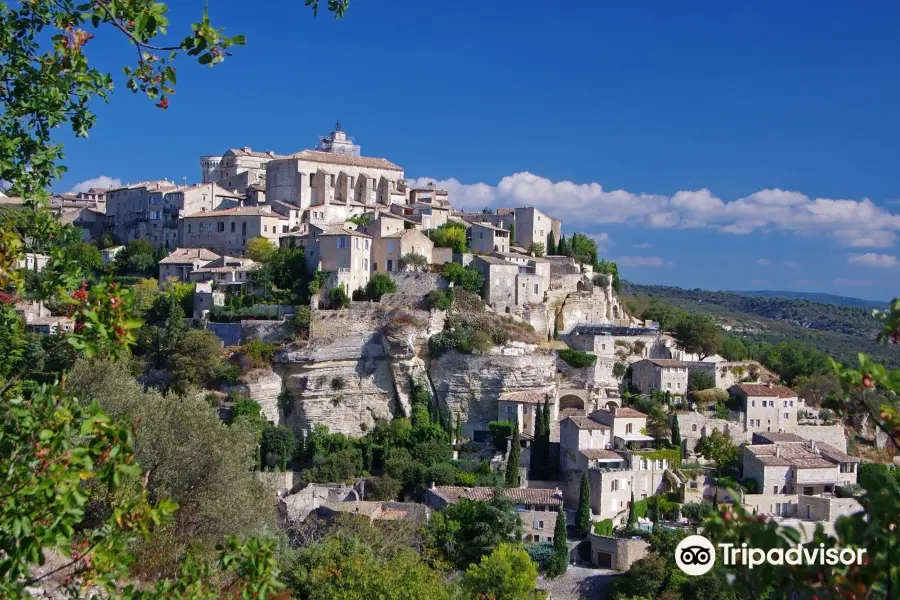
[(205, 59)]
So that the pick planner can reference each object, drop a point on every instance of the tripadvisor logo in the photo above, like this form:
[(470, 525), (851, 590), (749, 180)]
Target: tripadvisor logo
[(696, 555)]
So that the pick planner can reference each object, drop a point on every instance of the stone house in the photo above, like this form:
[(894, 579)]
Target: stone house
[(538, 525), (228, 231), (227, 272), (376, 511), (50, 325), (166, 210), (206, 298), (237, 169), (531, 499), (521, 407), (660, 375), (533, 227), (391, 241), (333, 173), (767, 407), (293, 213), (485, 238), (499, 280), (33, 261), (181, 262), (616, 553), (793, 465), (609, 448), (128, 207), (694, 426), (345, 252), (109, 254)]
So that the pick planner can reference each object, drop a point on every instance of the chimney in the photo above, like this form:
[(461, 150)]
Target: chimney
[(777, 451), (246, 148), (813, 446)]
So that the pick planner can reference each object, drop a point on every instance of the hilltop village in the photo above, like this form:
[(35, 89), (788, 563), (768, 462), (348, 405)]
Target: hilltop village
[(348, 301)]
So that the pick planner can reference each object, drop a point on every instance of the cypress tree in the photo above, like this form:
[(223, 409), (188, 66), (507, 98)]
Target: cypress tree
[(512, 233), (512, 463), (537, 446), (716, 500), (551, 244), (549, 467), (458, 428), (561, 248), (560, 560), (676, 433), (583, 520), (632, 517)]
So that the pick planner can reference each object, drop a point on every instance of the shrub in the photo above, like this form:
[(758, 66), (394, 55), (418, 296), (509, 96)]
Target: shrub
[(576, 358), (413, 261), (481, 341), (338, 383), (438, 300), (302, 319), (259, 352), (229, 372), (469, 278), (697, 511), (711, 396), (701, 380), (721, 411), (379, 285), (542, 554), (604, 527), (601, 280), (338, 297)]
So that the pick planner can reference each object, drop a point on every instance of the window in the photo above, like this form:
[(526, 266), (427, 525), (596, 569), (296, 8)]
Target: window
[(807, 491), (221, 226), (792, 404), (753, 403), (659, 464), (357, 243), (669, 385), (390, 247), (284, 229), (332, 181), (643, 464), (342, 263), (538, 524), (774, 489), (366, 244), (189, 227), (244, 229), (200, 227), (536, 289), (603, 346), (366, 264), (312, 180), (615, 485), (694, 427), (678, 385), (787, 416), (629, 427), (232, 226), (342, 242), (265, 228)]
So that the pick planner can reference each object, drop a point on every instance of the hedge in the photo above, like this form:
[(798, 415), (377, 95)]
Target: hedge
[(604, 527), (576, 358)]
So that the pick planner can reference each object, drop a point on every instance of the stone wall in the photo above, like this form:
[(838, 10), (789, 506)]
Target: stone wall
[(333, 324), (825, 508), (470, 385), (267, 331), (784, 505), (228, 333), (726, 373), (829, 434), (624, 552)]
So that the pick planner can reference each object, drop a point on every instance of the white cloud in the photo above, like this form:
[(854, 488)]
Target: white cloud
[(644, 245), (871, 259), (792, 264), (642, 261), (763, 261), (102, 182), (853, 223), (603, 240)]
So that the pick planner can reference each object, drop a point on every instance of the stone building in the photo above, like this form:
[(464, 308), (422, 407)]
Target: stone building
[(694, 426), (616, 553), (334, 173), (206, 298), (128, 208), (109, 254), (785, 463), (391, 240), (228, 231), (345, 252), (237, 169), (525, 499), (499, 280), (228, 272), (485, 238), (537, 525), (181, 262), (609, 448), (660, 375), (521, 407), (167, 210), (33, 261), (767, 407), (534, 227)]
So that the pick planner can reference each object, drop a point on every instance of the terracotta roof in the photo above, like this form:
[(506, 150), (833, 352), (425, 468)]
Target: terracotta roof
[(525, 396), (758, 389), (594, 454), (666, 362), (342, 159), (452, 493), (587, 423), (237, 211), (186, 255), (625, 412)]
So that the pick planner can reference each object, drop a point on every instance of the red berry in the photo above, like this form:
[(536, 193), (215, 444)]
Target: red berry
[(867, 381)]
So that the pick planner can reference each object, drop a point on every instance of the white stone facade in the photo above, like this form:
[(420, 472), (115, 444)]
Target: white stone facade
[(660, 375)]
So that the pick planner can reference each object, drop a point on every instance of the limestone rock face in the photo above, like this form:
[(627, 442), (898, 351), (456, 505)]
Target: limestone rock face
[(345, 384), (264, 386), (469, 385)]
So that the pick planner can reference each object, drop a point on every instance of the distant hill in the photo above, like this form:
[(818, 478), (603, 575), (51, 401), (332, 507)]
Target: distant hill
[(816, 297), (838, 330)]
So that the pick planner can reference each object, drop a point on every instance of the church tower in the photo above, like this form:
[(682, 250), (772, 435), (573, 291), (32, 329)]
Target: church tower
[(338, 142)]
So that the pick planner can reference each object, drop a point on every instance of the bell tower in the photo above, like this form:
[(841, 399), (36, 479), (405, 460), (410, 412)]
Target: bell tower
[(338, 142)]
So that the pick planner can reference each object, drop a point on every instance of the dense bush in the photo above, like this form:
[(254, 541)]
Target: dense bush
[(259, 352), (710, 396), (379, 285), (576, 358), (697, 511), (500, 430), (542, 553), (338, 297), (469, 278), (700, 380), (438, 300), (225, 314)]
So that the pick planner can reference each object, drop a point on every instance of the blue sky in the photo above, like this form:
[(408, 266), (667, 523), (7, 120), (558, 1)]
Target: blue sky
[(705, 144)]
